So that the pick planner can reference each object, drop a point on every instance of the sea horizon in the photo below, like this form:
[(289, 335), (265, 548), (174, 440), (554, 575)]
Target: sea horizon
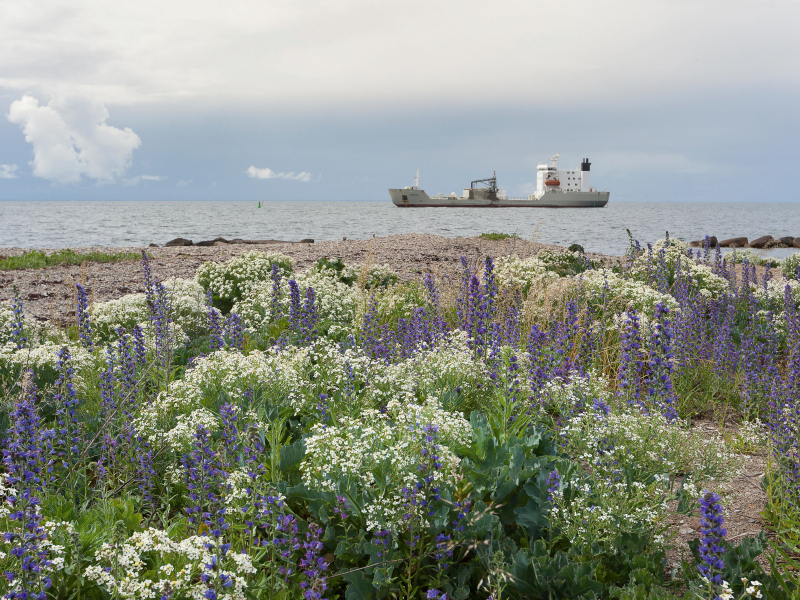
[(63, 224)]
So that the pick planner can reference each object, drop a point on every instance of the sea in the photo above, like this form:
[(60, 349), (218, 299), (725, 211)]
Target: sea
[(63, 224)]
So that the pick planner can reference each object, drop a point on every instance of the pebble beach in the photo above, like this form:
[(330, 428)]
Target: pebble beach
[(50, 292)]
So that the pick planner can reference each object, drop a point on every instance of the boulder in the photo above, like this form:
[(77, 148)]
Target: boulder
[(221, 244), (739, 242), (796, 243), (763, 242), (307, 241), (213, 242), (179, 242), (153, 245), (786, 241), (238, 241), (712, 242)]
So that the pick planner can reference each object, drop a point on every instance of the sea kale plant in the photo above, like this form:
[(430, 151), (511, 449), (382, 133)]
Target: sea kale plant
[(516, 427)]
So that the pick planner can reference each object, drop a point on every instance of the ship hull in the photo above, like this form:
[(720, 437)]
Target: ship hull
[(409, 198)]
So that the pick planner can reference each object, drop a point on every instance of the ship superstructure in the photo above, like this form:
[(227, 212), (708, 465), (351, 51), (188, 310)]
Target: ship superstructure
[(570, 188)]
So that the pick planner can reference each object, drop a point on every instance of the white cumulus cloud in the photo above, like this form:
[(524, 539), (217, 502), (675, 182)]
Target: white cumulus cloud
[(267, 173), (71, 139), (8, 171)]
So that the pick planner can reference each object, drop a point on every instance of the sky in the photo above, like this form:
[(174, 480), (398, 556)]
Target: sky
[(671, 100)]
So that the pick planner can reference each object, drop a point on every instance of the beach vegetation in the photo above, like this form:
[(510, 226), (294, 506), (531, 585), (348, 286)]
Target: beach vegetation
[(39, 259), (498, 236), (530, 428)]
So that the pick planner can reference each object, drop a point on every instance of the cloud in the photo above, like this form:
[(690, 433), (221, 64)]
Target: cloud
[(71, 139), (183, 183), (139, 178), (8, 171), (267, 173), (319, 51)]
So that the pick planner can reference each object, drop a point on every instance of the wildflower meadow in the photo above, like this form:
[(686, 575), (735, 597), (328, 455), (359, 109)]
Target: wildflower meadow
[(520, 428)]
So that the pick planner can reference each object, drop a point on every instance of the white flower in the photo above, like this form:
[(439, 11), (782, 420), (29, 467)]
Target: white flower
[(388, 443)]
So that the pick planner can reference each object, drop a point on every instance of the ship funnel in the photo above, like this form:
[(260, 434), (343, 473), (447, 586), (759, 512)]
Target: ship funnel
[(585, 185)]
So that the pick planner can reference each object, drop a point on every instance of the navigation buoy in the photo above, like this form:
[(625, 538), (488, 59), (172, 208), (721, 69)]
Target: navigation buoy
[(259, 204)]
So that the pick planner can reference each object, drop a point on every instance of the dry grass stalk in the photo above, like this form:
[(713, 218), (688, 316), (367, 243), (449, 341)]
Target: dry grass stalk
[(547, 300), (362, 297)]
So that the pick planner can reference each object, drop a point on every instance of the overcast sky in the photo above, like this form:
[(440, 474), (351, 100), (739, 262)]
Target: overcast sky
[(341, 99)]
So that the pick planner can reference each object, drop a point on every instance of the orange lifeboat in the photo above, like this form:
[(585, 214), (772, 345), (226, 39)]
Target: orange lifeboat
[(552, 182)]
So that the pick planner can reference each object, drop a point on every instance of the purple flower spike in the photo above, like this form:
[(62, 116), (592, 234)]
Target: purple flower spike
[(28, 468), (553, 485), (214, 326), (712, 544), (84, 328), (18, 326)]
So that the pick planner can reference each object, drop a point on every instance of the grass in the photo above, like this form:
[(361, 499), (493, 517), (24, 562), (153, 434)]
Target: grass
[(37, 259), (499, 236)]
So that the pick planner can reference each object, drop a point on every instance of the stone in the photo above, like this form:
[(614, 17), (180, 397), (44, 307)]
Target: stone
[(215, 242), (762, 242), (739, 242), (695, 523), (786, 241), (307, 241), (178, 242), (238, 241), (796, 243), (221, 244), (686, 530), (712, 242), (152, 245)]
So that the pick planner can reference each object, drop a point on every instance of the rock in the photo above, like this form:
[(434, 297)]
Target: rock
[(796, 243), (153, 245), (306, 241), (712, 242), (786, 241), (178, 242), (344, 239), (740, 242), (762, 242), (695, 523), (217, 241), (221, 244), (238, 241), (686, 530)]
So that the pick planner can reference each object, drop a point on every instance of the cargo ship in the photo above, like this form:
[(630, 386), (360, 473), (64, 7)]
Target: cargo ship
[(555, 188)]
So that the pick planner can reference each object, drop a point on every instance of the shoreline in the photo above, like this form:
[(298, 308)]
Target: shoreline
[(49, 293)]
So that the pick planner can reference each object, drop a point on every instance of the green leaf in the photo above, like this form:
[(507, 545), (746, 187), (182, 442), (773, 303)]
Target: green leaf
[(360, 588), (292, 456)]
